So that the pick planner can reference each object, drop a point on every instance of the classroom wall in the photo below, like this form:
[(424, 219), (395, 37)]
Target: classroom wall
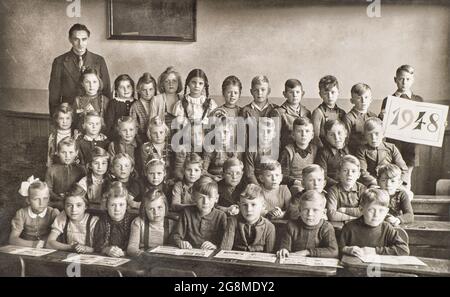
[(281, 39)]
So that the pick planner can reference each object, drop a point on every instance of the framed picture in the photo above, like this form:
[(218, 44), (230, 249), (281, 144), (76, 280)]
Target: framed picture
[(167, 20)]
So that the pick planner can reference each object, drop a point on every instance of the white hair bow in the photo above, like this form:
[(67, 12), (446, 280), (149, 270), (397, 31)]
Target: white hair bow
[(24, 186)]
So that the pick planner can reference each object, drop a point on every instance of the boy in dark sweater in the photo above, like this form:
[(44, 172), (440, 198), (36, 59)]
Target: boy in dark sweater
[(310, 235), (370, 234), (249, 231)]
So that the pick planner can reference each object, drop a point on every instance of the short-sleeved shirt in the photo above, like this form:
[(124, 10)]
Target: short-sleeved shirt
[(33, 226), (76, 231)]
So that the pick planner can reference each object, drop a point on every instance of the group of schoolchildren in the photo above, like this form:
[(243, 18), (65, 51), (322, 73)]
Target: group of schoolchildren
[(119, 153)]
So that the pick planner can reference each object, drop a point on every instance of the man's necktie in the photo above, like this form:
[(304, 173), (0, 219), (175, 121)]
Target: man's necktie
[(80, 63)]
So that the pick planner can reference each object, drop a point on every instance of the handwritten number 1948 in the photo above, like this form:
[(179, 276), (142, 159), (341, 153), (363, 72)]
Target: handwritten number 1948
[(408, 118)]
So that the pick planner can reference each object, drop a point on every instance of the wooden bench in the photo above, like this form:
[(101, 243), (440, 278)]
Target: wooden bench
[(432, 205)]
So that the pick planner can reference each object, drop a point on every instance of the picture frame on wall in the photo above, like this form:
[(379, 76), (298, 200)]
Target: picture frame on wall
[(163, 20)]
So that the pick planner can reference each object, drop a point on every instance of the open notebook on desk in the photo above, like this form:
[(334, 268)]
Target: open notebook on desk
[(392, 260)]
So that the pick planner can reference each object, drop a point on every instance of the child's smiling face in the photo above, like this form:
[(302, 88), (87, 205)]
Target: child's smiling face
[(64, 120), (91, 84), (147, 91), (67, 154), (329, 96), (389, 184), (125, 89), (93, 125), (260, 92), (38, 200), (75, 207), (117, 207), (231, 94), (127, 131), (155, 210), (294, 95), (336, 136)]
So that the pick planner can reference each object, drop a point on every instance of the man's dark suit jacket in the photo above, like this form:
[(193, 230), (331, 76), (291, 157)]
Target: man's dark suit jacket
[(64, 83)]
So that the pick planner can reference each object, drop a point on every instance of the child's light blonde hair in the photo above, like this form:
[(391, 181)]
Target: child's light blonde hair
[(312, 195), (164, 76), (252, 192), (406, 68), (374, 196), (38, 186), (311, 169), (119, 156), (389, 170), (351, 160), (67, 141), (154, 162), (372, 124), (156, 122), (260, 79), (359, 89), (126, 120), (269, 165), (92, 113), (116, 190), (205, 185)]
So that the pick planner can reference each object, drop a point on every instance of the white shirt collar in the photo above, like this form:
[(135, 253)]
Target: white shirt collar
[(407, 93), (124, 100), (258, 108), (33, 215), (99, 137)]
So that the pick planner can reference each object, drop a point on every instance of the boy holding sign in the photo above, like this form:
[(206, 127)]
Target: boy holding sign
[(404, 79)]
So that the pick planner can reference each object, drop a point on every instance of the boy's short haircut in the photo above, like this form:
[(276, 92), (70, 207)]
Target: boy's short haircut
[(329, 124), (116, 190), (154, 162), (63, 108), (205, 185), (252, 192), (193, 158), (119, 156), (231, 81), (126, 119), (260, 79), (312, 195), (67, 141), (350, 159), (406, 68), (302, 121), (151, 196), (77, 191), (269, 165), (372, 123), (390, 170), (79, 27), (377, 196), (359, 89), (231, 162), (328, 82), (292, 83), (311, 169)]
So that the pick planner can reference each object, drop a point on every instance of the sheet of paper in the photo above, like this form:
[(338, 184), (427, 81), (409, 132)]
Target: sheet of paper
[(247, 256), (25, 251), (309, 261), (96, 260), (170, 250), (392, 260)]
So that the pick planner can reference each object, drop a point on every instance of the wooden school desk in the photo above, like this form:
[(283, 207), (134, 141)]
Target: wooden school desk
[(435, 267), (52, 265), (230, 268), (431, 208)]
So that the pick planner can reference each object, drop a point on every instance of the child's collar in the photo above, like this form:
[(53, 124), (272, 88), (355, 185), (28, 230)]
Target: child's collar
[(131, 99), (407, 93), (34, 215), (255, 106)]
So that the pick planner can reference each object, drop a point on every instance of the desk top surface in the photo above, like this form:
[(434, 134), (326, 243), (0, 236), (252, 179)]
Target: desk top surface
[(435, 267)]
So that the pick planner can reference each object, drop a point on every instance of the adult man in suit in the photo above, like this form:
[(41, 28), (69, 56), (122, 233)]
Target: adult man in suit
[(64, 83)]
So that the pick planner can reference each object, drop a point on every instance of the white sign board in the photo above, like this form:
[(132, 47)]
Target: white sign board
[(415, 122)]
